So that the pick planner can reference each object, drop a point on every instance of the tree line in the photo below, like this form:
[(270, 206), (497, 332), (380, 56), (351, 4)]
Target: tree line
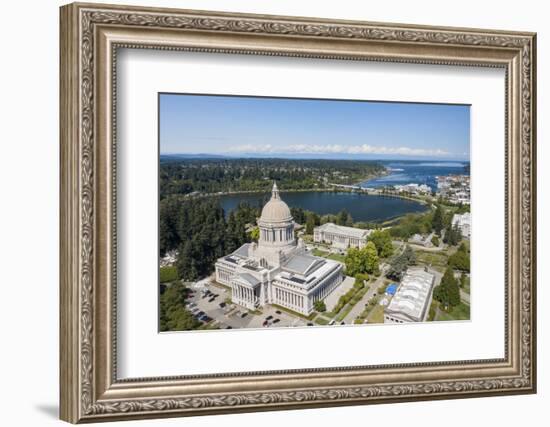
[(198, 229), (184, 176)]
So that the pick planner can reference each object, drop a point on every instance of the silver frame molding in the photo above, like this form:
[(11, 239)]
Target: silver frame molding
[(90, 37)]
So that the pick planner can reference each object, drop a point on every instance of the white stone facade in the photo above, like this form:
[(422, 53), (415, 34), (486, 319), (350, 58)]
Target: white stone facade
[(278, 270), (340, 237), (463, 222)]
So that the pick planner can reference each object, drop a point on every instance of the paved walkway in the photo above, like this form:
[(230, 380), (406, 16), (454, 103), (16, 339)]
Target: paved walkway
[(465, 297), (335, 295), (373, 289)]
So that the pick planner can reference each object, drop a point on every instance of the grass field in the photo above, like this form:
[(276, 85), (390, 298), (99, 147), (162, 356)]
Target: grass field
[(295, 313), (328, 255), (438, 260), (376, 315), (318, 252), (168, 274), (337, 257), (460, 312), (320, 320)]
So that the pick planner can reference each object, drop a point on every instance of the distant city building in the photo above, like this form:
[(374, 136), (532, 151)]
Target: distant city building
[(455, 188), (463, 222), (412, 299), (277, 270), (413, 188), (339, 236)]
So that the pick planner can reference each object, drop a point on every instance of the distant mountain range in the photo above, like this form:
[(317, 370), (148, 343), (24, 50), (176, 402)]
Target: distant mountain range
[(193, 156)]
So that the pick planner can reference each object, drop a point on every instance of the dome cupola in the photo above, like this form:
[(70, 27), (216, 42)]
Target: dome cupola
[(276, 223), (275, 211)]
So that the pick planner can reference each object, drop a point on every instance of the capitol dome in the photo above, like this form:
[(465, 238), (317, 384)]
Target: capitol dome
[(275, 211)]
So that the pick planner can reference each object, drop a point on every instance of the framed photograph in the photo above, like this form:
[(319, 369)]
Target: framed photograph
[(265, 213)]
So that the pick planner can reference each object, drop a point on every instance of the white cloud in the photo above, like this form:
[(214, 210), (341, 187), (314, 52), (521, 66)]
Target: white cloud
[(337, 148)]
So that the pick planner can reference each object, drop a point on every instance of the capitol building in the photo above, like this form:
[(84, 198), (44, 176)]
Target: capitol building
[(278, 269)]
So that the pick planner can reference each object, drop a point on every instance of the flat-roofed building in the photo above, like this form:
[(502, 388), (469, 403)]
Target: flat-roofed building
[(412, 299), (463, 222), (339, 236)]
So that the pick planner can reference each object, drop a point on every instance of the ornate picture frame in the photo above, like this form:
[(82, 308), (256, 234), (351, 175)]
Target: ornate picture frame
[(90, 37)]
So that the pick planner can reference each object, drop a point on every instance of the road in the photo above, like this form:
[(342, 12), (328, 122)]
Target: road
[(373, 289)]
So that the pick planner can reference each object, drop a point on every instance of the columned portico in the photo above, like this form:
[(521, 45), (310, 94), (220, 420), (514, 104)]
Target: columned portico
[(278, 269), (245, 291)]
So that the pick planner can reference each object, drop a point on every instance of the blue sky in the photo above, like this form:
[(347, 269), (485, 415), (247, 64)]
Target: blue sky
[(284, 127)]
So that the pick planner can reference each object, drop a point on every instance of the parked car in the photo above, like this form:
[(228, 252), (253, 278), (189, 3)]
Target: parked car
[(278, 312), (201, 313), (276, 320), (243, 315), (211, 299), (229, 327), (269, 317), (222, 304), (332, 322), (310, 324), (192, 304), (265, 323)]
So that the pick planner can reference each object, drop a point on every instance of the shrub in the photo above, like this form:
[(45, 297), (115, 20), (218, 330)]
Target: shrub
[(320, 306), (168, 274), (435, 240)]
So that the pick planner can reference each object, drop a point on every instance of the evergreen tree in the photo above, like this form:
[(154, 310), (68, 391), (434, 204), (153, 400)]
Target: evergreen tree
[(399, 264), (448, 292), (437, 221), (173, 314), (344, 218), (460, 260), (310, 223)]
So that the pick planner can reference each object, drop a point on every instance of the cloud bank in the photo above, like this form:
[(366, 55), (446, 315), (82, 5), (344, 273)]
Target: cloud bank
[(336, 149)]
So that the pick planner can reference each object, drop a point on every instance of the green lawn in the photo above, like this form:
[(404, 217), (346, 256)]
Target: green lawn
[(337, 257), (328, 255), (460, 312), (320, 320), (438, 260), (318, 252), (377, 314), (295, 313), (168, 274)]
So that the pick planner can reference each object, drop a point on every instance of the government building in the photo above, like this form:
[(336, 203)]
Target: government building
[(278, 269), (412, 300), (341, 237)]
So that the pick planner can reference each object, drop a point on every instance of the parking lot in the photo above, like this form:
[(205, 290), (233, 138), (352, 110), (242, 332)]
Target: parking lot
[(212, 300)]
